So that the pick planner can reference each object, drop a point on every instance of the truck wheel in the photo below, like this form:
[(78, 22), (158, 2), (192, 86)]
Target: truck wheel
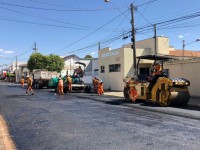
[(37, 85)]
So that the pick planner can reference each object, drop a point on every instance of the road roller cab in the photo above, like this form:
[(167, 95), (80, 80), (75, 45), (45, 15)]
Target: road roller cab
[(156, 86)]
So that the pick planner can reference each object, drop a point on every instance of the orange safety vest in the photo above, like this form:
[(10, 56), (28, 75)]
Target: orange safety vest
[(29, 82), (22, 81), (60, 82), (69, 79), (133, 91)]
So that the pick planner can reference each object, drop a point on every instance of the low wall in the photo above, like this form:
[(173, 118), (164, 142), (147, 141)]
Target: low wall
[(189, 70)]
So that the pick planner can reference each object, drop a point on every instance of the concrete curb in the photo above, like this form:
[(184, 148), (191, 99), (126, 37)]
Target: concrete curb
[(6, 141)]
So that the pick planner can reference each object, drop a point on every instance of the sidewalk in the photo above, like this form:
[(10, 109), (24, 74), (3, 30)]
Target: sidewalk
[(6, 142)]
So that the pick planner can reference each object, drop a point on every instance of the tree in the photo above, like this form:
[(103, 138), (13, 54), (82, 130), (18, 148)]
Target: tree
[(50, 62), (54, 63), (88, 56), (36, 61)]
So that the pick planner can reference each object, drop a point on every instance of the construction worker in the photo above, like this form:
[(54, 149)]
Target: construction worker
[(69, 83), (95, 84), (78, 72), (29, 85), (100, 88), (157, 69), (133, 92), (60, 86), (22, 82)]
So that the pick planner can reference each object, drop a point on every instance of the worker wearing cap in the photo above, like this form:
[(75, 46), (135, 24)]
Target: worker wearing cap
[(69, 83), (60, 86), (29, 85)]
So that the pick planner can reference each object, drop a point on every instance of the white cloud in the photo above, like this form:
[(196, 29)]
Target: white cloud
[(92, 53), (180, 36), (8, 52), (3, 56)]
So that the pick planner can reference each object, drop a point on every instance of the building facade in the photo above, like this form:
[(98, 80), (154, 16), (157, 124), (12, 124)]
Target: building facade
[(115, 65)]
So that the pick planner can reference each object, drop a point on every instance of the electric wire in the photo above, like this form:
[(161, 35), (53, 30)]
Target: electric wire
[(51, 9), (89, 33), (80, 27)]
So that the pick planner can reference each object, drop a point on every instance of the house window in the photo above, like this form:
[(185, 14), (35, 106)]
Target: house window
[(102, 69), (115, 68)]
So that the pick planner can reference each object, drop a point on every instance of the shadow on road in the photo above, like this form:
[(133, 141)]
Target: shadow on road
[(190, 107)]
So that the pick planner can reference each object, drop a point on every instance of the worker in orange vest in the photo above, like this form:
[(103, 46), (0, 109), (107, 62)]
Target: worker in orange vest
[(157, 69), (95, 84), (22, 82), (69, 83), (29, 85), (60, 86), (100, 88), (133, 92)]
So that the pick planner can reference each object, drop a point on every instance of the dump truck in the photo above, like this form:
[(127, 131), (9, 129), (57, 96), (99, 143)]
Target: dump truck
[(41, 78), (161, 89)]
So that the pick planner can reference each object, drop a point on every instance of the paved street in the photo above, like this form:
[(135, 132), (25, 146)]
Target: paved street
[(86, 121)]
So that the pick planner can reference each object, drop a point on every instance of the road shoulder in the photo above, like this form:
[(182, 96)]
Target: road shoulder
[(6, 143)]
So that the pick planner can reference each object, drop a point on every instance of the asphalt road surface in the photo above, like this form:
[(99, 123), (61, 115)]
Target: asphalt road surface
[(69, 122)]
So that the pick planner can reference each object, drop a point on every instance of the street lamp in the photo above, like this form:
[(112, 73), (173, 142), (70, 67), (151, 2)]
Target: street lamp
[(197, 40)]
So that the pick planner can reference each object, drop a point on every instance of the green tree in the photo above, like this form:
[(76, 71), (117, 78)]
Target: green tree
[(50, 62), (36, 61), (88, 56), (54, 63)]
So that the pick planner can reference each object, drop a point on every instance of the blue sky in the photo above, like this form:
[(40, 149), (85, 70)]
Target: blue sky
[(66, 27)]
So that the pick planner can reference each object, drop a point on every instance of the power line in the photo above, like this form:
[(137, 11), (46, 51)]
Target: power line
[(120, 11), (146, 3), (51, 9), (42, 24), (80, 27), (144, 17), (89, 33), (120, 36)]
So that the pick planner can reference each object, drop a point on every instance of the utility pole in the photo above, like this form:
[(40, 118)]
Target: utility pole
[(133, 40), (183, 48), (155, 35), (16, 70), (35, 47), (99, 44)]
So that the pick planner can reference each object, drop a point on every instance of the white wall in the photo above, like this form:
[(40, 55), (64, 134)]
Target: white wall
[(189, 71)]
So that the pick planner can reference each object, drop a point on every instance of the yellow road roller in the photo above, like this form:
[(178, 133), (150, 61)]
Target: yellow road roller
[(157, 87)]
